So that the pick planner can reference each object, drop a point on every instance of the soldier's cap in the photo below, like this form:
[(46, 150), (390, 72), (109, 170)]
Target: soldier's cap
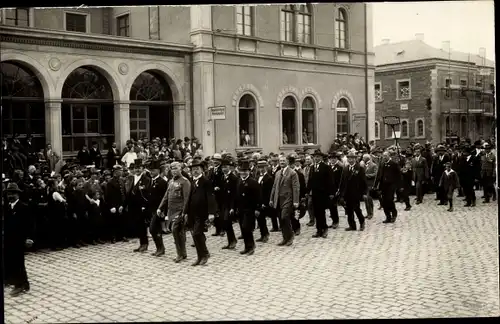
[(217, 156), (197, 163), (440, 148), (262, 162), (274, 158), (117, 167), (244, 165), (352, 154), (486, 145), (226, 161)]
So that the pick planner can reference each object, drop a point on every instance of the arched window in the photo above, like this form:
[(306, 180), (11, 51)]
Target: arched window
[(342, 117), (377, 130), (247, 121), (286, 20), (341, 29), (308, 121), (151, 107), (23, 107), (244, 20), (304, 24), (404, 129), (288, 118), (420, 130), (87, 110), (463, 126)]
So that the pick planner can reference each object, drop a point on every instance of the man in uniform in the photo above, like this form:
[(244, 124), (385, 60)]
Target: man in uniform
[(248, 205), (138, 199), (175, 202), (467, 177), (285, 197), (266, 181), (158, 189), (388, 181)]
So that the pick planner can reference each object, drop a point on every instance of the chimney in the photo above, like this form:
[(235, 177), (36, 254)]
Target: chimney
[(445, 46), (419, 36), (482, 52), (385, 41)]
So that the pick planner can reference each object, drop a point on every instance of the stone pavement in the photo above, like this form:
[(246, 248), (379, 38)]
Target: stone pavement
[(430, 263)]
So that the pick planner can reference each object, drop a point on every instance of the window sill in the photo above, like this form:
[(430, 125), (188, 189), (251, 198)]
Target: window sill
[(246, 148), (379, 101), (403, 99), (377, 138), (420, 137), (299, 146)]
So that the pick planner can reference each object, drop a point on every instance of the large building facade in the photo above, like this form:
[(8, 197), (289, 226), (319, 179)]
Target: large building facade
[(284, 76), (438, 94)]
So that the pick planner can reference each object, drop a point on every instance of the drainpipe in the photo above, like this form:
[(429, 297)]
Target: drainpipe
[(213, 74), (191, 93), (366, 73)]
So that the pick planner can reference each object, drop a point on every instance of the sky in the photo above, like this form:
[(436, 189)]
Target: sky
[(468, 25)]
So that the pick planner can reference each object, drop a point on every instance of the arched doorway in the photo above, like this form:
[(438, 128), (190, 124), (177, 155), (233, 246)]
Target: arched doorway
[(87, 110), (151, 107), (23, 107)]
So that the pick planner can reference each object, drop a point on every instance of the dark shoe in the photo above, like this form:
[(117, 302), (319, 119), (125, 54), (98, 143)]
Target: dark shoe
[(229, 246), (274, 230), (245, 251), (250, 252), (473, 204), (216, 234), (311, 224), (180, 258), (335, 225), (450, 209), (282, 243), (362, 227), (369, 216), (197, 262), (324, 234), (387, 221), (316, 235), (263, 239), (289, 243), (204, 261), (222, 234), (441, 204), (19, 290), (393, 220), (297, 232), (487, 201), (240, 237), (349, 229), (113, 241), (142, 248), (408, 208), (418, 202)]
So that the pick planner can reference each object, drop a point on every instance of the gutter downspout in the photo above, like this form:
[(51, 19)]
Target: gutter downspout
[(366, 73), (213, 73), (191, 92)]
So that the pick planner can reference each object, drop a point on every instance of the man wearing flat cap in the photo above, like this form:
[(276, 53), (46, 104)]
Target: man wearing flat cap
[(137, 202), (199, 210), (18, 228)]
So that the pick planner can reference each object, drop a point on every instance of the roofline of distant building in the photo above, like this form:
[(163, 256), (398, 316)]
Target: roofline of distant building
[(427, 62)]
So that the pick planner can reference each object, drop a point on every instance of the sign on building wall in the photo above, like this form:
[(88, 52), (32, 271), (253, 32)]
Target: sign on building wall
[(154, 22), (217, 112), (403, 106)]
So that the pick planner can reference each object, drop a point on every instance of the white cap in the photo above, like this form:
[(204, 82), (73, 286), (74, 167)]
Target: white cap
[(217, 156)]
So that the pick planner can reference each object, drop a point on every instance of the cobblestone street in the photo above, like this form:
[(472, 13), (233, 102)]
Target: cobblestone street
[(430, 263)]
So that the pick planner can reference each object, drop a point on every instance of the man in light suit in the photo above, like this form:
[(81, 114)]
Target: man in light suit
[(420, 174), (285, 197)]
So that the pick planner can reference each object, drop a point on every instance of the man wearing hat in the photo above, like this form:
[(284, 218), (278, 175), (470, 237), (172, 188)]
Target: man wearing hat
[(388, 180), (248, 205), (437, 171), (466, 177), (477, 155), (321, 190), (420, 174), (114, 197), (266, 181), (337, 168), (226, 204), (200, 208), (488, 165), (137, 202), (18, 227), (158, 189), (216, 176)]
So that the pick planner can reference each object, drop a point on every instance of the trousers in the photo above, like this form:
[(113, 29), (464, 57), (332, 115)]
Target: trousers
[(179, 234)]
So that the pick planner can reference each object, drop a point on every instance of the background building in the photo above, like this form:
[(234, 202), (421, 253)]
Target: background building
[(287, 75), (438, 94)]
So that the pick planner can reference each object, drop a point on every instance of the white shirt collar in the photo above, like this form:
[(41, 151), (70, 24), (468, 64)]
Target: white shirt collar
[(244, 179), (13, 204), (156, 177), (198, 177)]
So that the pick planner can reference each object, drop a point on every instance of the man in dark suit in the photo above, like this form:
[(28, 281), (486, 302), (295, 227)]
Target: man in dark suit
[(308, 166), (467, 177), (29, 150), (285, 197), (337, 170), (114, 197), (158, 189), (320, 189), (95, 155), (352, 189), (477, 156), (83, 156), (113, 156), (266, 181), (420, 174), (388, 181), (138, 199), (200, 208), (301, 210), (216, 177), (226, 204), (18, 228), (438, 167), (248, 204), (488, 162)]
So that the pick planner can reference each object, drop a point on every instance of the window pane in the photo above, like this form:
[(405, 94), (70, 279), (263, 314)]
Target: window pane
[(78, 126), (248, 30), (308, 126), (19, 111), (239, 10), (133, 125), (288, 119), (37, 126), (247, 127), (67, 143), (143, 113), (93, 112), (22, 14), (78, 143), (10, 13), (404, 129), (93, 126), (143, 135), (76, 22), (19, 126), (283, 25), (66, 119), (37, 111), (133, 113), (6, 126), (133, 135), (78, 112), (289, 102), (143, 125), (107, 119), (239, 19), (376, 130)]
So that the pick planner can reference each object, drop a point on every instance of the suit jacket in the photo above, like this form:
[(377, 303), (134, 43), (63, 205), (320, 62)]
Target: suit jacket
[(449, 182), (438, 166), (95, 157), (84, 157), (248, 196), (466, 173), (320, 182), (388, 175), (228, 190), (420, 169), (138, 195), (302, 184), (353, 184), (114, 193), (158, 189), (371, 173), (307, 171), (286, 188), (113, 157), (266, 187), (18, 226), (201, 201), (488, 163)]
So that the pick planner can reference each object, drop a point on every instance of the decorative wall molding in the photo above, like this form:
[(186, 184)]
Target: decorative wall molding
[(343, 94), (123, 68), (54, 64), (247, 88), (313, 93), (286, 91)]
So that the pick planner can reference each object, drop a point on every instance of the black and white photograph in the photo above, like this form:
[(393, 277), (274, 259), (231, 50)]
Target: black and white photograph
[(249, 161)]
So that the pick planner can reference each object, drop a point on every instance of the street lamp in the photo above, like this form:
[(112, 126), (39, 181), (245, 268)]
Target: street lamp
[(393, 121)]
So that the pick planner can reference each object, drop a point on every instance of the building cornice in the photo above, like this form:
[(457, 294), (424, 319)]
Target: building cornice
[(44, 37), (424, 63)]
